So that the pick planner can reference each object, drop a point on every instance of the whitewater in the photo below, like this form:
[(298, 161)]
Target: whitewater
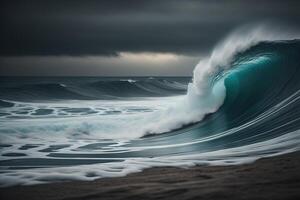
[(241, 104)]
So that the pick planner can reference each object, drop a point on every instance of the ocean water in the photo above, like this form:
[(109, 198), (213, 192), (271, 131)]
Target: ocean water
[(242, 104)]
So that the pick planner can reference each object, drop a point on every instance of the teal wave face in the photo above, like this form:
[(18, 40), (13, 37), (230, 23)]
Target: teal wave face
[(261, 78)]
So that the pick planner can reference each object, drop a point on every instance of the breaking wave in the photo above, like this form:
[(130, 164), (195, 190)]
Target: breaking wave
[(243, 104)]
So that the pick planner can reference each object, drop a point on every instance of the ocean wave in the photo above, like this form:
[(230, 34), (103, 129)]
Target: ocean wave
[(142, 88), (92, 89), (244, 54), (6, 103)]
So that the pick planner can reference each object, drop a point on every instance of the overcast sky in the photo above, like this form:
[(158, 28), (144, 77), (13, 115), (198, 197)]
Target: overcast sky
[(123, 37)]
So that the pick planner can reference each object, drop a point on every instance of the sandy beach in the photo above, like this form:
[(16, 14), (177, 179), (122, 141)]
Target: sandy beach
[(269, 178)]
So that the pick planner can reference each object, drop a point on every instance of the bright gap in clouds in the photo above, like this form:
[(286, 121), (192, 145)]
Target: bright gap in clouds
[(126, 64)]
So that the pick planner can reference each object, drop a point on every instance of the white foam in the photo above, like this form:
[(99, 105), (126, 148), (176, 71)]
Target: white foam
[(232, 156)]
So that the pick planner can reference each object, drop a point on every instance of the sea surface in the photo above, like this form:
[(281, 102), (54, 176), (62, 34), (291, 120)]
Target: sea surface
[(238, 107)]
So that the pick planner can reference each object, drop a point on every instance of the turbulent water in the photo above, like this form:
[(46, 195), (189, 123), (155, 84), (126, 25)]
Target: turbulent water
[(243, 103)]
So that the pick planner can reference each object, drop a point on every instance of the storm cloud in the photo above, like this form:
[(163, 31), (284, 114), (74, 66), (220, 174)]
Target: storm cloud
[(108, 28)]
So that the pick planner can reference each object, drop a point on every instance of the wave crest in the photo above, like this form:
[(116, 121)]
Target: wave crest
[(205, 94)]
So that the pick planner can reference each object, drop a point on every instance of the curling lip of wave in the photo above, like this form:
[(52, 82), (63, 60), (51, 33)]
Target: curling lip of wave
[(204, 95)]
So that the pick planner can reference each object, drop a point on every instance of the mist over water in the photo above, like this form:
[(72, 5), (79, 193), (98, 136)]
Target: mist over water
[(241, 104)]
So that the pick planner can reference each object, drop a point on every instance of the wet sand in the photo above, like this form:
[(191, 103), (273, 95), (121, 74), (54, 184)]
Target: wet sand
[(269, 178)]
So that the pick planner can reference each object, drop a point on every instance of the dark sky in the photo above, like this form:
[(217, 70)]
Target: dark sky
[(124, 37)]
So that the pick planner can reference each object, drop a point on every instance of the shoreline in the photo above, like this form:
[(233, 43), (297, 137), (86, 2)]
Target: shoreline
[(268, 178)]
